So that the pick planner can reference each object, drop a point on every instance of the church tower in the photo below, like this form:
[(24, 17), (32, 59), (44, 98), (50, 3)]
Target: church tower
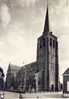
[(47, 58)]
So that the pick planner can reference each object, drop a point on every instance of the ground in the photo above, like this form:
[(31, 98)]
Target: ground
[(11, 95)]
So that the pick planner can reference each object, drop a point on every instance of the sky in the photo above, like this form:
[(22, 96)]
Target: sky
[(22, 22)]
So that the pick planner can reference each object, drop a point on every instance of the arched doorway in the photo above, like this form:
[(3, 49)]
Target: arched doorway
[(52, 87)]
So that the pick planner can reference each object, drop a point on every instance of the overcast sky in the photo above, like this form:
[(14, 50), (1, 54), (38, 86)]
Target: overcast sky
[(22, 22)]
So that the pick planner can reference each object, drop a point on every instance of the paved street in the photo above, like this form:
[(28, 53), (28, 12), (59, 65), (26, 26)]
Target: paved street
[(11, 95)]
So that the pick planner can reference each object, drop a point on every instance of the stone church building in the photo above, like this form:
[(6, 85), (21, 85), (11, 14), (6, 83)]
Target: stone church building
[(47, 57), (41, 75), (10, 83)]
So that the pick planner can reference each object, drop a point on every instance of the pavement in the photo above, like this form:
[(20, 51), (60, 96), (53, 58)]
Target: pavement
[(41, 95)]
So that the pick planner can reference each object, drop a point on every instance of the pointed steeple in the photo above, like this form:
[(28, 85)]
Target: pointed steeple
[(46, 26)]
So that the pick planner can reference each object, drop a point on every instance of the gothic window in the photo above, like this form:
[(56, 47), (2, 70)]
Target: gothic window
[(42, 43), (53, 44), (56, 44), (50, 41), (47, 40)]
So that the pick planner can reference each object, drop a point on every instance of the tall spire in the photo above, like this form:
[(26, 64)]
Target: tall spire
[(46, 26)]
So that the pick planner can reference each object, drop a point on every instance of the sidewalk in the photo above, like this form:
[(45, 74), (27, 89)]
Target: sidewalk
[(43, 95)]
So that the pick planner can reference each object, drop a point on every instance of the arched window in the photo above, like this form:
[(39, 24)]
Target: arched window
[(42, 43), (53, 44), (50, 41)]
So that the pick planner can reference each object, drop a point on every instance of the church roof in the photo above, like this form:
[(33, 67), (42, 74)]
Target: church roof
[(46, 31), (46, 26), (29, 67), (14, 67), (66, 72)]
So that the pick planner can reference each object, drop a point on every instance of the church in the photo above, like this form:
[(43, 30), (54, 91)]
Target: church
[(47, 57), (42, 75)]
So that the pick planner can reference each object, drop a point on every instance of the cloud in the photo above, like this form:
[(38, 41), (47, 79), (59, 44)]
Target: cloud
[(5, 15), (27, 2), (26, 18)]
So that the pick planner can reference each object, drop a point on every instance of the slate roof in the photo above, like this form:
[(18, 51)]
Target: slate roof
[(14, 67), (66, 71)]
